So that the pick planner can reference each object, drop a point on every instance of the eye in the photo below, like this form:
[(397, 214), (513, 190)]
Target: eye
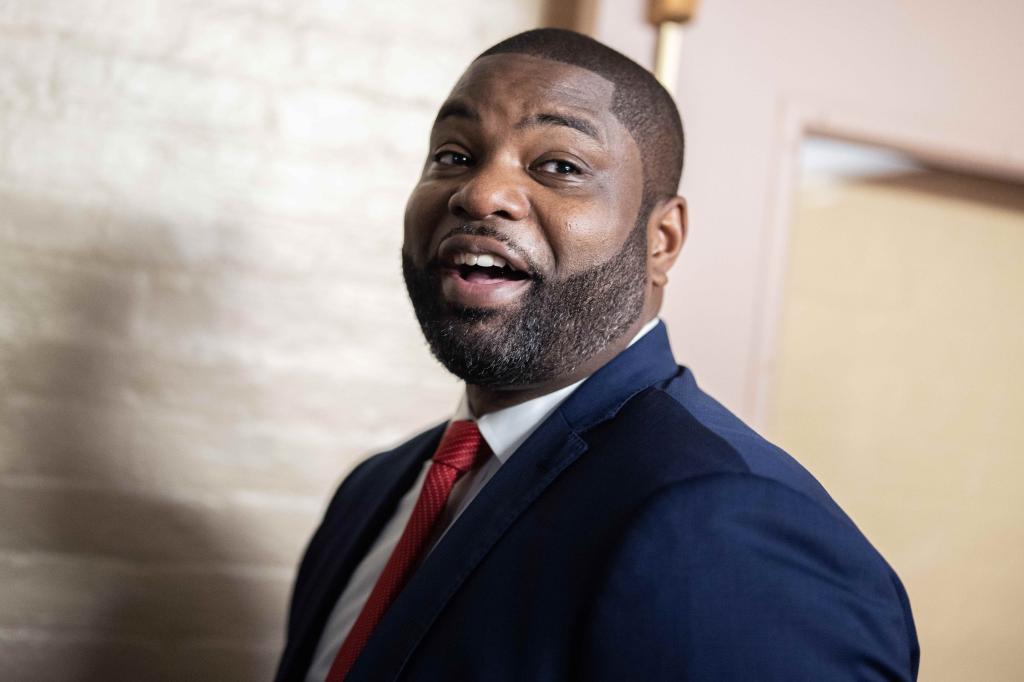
[(559, 167), (452, 158)]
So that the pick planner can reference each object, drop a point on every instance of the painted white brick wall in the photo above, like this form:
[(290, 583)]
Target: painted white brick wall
[(202, 320)]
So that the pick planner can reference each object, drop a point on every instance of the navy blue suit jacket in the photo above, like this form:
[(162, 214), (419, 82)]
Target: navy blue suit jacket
[(641, 533)]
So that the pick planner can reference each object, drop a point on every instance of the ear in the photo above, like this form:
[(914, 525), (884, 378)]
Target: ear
[(666, 232)]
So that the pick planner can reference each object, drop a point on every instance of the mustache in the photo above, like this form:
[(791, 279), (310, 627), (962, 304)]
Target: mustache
[(487, 231)]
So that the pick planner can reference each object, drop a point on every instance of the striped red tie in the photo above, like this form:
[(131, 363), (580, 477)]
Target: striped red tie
[(458, 452)]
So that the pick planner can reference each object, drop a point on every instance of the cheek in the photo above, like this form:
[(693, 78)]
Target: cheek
[(426, 206), (585, 234)]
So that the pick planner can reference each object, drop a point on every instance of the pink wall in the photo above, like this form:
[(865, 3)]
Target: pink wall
[(938, 78)]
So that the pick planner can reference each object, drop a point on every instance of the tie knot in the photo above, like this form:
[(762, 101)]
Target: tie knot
[(460, 445)]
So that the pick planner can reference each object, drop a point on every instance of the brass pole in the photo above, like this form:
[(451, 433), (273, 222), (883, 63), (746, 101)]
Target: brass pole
[(669, 16)]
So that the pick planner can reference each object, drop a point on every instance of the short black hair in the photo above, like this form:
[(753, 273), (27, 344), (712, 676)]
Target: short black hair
[(640, 102)]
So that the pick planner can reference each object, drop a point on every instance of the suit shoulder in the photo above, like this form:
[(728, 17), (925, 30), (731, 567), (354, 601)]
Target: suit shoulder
[(363, 479), (369, 481), (413, 444), (752, 507), (693, 434), (744, 544)]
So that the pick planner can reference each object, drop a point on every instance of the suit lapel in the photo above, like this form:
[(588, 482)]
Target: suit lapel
[(555, 445), (515, 486)]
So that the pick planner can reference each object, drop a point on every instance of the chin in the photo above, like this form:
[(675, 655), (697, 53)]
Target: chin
[(485, 347)]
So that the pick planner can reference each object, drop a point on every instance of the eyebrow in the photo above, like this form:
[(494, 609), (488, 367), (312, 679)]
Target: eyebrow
[(545, 119), (459, 109), (456, 109)]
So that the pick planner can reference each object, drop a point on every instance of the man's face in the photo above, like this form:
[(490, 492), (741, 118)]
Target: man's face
[(524, 254)]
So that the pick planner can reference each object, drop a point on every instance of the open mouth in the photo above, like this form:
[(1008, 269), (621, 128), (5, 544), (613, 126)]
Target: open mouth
[(484, 268), (482, 273)]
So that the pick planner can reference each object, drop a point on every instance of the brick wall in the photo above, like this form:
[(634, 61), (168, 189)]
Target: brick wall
[(202, 319)]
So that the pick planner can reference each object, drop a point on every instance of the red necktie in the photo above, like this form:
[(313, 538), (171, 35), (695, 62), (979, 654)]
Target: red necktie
[(456, 454)]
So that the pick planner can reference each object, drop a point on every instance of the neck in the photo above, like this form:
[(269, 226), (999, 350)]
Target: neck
[(486, 399)]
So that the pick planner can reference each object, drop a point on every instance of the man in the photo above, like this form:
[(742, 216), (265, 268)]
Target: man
[(588, 513)]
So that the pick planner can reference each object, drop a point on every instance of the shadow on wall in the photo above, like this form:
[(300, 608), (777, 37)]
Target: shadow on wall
[(114, 569)]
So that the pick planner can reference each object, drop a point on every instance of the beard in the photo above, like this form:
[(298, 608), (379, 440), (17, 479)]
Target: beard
[(555, 327)]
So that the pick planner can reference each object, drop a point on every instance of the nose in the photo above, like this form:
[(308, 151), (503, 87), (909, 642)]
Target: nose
[(491, 190)]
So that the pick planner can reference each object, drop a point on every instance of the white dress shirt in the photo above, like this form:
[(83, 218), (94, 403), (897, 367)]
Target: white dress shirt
[(504, 431)]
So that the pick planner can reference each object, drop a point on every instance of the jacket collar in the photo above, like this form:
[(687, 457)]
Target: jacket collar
[(556, 444), (645, 363), (508, 428)]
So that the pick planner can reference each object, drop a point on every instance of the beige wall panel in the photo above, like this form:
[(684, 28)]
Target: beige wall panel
[(901, 387)]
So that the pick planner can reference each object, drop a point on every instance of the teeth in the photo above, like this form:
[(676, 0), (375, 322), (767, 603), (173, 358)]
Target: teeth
[(483, 260)]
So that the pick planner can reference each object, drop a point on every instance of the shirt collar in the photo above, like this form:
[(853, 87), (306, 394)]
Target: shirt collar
[(505, 430)]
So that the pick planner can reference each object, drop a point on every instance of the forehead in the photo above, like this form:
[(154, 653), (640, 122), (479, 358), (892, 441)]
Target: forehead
[(515, 85)]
